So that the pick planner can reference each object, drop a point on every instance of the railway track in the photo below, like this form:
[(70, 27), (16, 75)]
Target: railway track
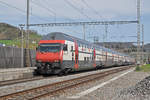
[(57, 88), (22, 80)]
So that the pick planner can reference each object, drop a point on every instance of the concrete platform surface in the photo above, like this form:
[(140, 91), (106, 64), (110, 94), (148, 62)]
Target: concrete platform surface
[(16, 73)]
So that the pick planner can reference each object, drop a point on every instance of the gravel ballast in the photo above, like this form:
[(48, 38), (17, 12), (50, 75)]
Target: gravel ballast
[(140, 90)]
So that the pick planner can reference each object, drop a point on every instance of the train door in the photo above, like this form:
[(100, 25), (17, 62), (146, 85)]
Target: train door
[(106, 59), (76, 55), (94, 58), (113, 59)]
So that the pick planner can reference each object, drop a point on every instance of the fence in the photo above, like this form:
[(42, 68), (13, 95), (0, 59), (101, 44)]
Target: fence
[(10, 57)]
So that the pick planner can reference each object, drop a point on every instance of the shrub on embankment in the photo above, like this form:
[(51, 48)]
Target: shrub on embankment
[(143, 68)]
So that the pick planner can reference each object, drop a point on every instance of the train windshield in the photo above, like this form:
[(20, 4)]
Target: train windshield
[(49, 47)]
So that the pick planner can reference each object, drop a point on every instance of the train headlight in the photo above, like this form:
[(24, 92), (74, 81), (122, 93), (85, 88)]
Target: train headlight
[(56, 60), (39, 61)]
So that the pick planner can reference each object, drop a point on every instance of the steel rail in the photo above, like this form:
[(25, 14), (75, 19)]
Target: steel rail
[(22, 80)]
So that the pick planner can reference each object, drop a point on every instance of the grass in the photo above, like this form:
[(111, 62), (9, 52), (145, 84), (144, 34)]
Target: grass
[(10, 42), (144, 68), (18, 43)]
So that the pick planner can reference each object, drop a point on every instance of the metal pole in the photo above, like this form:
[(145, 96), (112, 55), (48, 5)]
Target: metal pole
[(27, 24), (103, 40), (84, 31), (27, 31), (138, 32), (106, 32), (55, 17), (22, 48), (142, 44)]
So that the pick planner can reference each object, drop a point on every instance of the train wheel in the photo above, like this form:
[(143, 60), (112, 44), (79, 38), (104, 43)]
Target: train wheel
[(60, 73), (36, 73), (67, 71)]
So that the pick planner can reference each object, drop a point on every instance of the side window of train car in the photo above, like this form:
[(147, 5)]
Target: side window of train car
[(71, 48), (65, 47), (84, 59), (88, 59), (82, 47), (79, 45)]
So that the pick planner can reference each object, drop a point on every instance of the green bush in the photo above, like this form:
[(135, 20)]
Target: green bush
[(137, 68), (144, 68)]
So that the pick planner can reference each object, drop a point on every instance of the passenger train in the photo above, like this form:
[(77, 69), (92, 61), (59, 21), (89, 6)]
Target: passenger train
[(59, 53)]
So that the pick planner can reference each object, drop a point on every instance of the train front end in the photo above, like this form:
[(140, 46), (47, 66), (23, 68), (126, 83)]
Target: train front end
[(49, 57)]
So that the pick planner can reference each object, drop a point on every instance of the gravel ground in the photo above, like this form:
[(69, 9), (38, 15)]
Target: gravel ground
[(111, 91), (32, 84), (140, 90)]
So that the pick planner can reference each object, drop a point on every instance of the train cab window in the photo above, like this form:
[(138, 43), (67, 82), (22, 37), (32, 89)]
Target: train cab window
[(65, 47), (49, 47)]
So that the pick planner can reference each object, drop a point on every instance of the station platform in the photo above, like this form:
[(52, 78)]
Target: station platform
[(16, 73)]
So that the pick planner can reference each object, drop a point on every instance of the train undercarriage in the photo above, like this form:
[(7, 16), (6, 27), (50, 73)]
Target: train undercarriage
[(51, 68), (57, 68)]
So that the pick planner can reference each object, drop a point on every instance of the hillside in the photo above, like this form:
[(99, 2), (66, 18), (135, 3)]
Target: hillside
[(147, 47), (10, 35), (8, 31), (125, 47), (117, 45)]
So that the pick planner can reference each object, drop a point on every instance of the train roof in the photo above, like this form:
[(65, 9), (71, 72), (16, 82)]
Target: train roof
[(63, 36)]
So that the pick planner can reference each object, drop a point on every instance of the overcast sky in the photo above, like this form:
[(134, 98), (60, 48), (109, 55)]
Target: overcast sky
[(47, 11)]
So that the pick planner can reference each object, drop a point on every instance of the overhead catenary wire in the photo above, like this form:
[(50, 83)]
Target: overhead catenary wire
[(77, 9), (8, 5), (92, 9), (51, 13), (50, 10), (48, 6), (20, 10)]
